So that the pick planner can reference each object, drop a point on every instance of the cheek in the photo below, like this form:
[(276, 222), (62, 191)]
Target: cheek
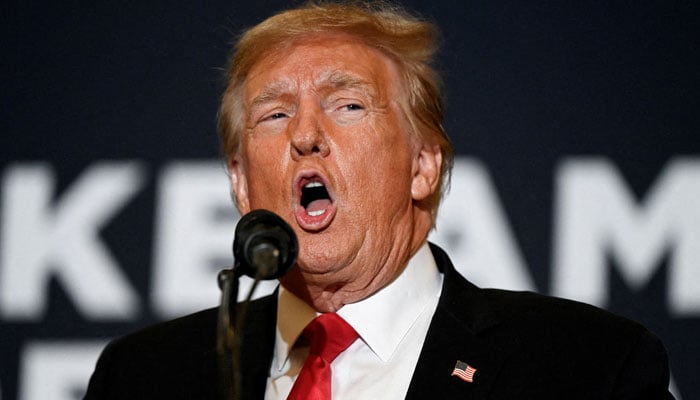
[(380, 166), (391, 152), (267, 166)]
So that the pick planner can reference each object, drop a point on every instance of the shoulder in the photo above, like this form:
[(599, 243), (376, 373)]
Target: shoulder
[(564, 327), (527, 313), (152, 362), (191, 331), (194, 333), (548, 313), (609, 355), (556, 325), (176, 359), (555, 345)]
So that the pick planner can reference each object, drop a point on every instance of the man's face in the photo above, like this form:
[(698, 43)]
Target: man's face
[(327, 147)]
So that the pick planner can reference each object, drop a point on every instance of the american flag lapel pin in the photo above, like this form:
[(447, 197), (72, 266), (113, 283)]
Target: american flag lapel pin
[(464, 371)]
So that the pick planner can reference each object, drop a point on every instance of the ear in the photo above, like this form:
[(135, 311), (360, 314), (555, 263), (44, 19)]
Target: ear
[(239, 184), (427, 167)]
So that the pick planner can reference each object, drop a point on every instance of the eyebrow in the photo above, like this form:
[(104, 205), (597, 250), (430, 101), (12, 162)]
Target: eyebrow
[(270, 92), (339, 80), (335, 80)]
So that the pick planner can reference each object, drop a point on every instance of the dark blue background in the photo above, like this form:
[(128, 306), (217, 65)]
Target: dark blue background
[(527, 83)]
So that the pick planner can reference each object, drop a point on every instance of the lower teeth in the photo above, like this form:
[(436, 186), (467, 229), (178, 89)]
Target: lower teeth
[(316, 213)]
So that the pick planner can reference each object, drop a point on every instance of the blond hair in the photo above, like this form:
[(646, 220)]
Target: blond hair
[(409, 41)]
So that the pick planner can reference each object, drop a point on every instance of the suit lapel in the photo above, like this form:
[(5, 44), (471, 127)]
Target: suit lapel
[(453, 336)]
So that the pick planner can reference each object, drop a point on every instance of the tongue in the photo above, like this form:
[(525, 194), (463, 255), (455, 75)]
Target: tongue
[(318, 205)]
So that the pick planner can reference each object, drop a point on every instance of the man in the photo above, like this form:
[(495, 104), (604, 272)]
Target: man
[(332, 120)]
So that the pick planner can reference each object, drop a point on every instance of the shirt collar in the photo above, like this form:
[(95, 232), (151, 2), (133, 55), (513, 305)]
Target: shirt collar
[(293, 314), (382, 320)]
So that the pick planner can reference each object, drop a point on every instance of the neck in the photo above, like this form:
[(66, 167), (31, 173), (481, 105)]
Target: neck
[(329, 292)]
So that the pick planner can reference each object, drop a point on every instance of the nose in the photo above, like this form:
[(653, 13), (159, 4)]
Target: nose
[(308, 136)]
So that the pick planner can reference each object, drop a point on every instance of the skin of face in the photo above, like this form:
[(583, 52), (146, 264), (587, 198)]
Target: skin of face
[(329, 112)]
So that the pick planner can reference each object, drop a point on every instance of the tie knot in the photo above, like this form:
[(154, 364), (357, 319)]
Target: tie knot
[(329, 336)]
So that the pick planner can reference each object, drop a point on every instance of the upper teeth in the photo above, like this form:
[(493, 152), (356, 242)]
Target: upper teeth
[(313, 184)]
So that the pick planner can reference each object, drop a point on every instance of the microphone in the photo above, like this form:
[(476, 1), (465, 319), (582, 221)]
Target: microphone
[(264, 247)]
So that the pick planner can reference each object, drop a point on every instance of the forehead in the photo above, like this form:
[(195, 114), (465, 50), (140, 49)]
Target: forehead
[(317, 62)]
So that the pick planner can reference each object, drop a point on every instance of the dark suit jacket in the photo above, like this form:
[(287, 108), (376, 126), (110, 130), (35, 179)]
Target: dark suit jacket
[(523, 346)]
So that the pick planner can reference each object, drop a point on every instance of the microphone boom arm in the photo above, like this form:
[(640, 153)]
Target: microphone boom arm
[(226, 333), (265, 247)]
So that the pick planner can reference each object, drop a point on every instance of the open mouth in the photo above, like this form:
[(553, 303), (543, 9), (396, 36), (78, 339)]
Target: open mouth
[(315, 198), (315, 208)]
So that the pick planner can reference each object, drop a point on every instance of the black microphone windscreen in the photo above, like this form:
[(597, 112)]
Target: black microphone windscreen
[(264, 246)]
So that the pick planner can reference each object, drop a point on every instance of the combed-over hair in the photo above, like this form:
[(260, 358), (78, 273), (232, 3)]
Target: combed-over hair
[(409, 41)]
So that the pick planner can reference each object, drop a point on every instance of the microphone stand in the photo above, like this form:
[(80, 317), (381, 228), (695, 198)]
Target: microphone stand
[(265, 247), (226, 335), (229, 335)]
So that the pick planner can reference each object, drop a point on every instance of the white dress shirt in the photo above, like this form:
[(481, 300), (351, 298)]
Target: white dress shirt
[(392, 325)]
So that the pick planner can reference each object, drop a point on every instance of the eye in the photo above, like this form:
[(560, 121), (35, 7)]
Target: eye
[(273, 116), (351, 107)]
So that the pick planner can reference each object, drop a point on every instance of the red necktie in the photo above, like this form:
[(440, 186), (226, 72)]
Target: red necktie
[(329, 336)]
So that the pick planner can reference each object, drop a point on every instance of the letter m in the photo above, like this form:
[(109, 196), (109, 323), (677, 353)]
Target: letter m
[(598, 217)]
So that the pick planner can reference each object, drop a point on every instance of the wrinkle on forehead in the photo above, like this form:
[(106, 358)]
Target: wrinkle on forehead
[(328, 81), (375, 74)]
